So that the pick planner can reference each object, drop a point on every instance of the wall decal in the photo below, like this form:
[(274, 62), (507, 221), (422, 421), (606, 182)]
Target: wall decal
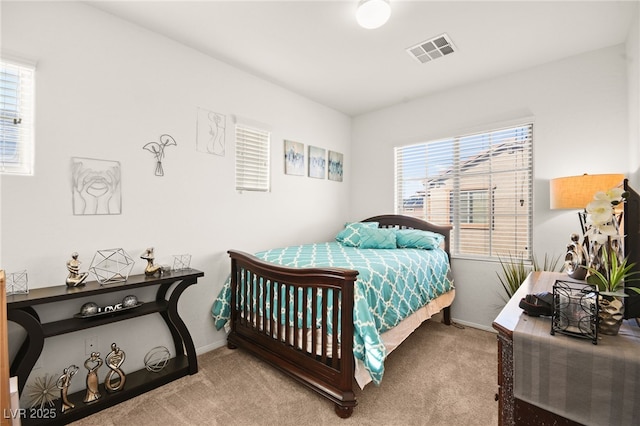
[(211, 128), (317, 162), (96, 186), (157, 149), (336, 164), (293, 158)]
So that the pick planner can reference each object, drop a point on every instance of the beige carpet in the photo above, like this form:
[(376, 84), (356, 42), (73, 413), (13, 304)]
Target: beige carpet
[(441, 375)]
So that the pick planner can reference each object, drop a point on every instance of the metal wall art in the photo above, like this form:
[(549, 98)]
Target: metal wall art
[(115, 378), (211, 132), (96, 186), (157, 149), (75, 277), (17, 283), (111, 266)]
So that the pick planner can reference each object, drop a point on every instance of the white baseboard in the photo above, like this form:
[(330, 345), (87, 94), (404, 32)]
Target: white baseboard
[(207, 348), (473, 325)]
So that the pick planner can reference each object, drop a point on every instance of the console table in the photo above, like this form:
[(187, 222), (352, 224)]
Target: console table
[(574, 367), (20, 309)]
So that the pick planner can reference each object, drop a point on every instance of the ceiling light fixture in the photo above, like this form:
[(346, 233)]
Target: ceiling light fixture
[(373, 14)]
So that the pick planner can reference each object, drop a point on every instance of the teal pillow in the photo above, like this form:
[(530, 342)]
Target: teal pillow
[(378, 238), (415, 238), (350, 235)]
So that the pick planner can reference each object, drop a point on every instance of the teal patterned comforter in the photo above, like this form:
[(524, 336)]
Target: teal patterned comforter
[(392, 284)]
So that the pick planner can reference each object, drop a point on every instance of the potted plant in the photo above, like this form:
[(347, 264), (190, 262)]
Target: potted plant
[(605, 269), (610, 278), (515, 271)]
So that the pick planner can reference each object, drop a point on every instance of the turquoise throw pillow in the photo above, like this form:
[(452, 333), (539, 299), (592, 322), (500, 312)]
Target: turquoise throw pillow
[(350, 235), (379, 238), (416, 238)]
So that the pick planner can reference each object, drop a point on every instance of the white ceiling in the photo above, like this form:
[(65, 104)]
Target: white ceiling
[(315, 48)]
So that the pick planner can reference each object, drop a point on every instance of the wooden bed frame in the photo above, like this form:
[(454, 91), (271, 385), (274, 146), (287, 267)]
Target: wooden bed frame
[(327, 373)]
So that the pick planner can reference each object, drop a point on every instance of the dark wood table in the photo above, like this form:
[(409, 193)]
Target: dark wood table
[(20, 309)]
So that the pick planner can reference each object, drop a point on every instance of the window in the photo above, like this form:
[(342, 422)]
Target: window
[(479, 183), (252, 158), (474, 207), (16, 118)]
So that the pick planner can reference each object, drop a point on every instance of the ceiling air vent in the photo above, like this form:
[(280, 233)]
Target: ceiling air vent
[(431, 49)]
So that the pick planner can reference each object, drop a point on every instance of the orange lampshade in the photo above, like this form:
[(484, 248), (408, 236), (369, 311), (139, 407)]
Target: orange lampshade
[(575, 192)]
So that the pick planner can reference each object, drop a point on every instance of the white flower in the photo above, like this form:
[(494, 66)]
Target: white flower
[(601, 232), (600, 211), (613, 196)]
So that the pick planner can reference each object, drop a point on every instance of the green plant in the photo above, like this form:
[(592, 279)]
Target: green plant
[(515, 271), (613, 274)]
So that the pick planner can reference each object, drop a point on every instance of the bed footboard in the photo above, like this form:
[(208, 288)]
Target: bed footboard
[(300, 320)]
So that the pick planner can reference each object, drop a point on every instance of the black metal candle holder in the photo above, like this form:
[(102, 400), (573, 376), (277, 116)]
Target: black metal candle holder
[(575, 310)]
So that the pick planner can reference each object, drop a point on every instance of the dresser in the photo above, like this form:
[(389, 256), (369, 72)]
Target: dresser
[(575, 376)]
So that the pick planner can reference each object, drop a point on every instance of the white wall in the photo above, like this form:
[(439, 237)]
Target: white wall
[(633, 60), (104, 89), (579, 105)]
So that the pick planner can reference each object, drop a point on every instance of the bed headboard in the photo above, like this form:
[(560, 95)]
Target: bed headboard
[(404, 222)]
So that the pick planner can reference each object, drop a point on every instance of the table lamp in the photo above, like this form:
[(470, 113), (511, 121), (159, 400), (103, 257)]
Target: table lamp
[(575, 192)]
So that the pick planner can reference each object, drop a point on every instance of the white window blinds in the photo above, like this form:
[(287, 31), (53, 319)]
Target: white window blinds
[(16, 118), (252, 158), (479, 183)]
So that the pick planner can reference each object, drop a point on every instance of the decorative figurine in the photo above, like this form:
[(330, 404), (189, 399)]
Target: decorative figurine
[(114, 360), (156, 359), (42, 391), (63, 384), (111, 266), (150, 269), (92, 377), (75, 278), (576, 259), (130, 301)]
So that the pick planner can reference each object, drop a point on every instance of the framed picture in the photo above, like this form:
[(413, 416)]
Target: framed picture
[(293, 158), (317, 162), (336, 165)]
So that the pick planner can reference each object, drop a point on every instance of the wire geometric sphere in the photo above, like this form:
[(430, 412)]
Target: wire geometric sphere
[(156, 359)]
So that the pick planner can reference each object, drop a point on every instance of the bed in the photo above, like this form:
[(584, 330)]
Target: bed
[(329, 313)]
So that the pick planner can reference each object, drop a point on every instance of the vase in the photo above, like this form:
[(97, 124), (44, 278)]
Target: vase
[(610, 314)]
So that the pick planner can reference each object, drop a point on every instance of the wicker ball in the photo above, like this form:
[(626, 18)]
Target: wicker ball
[(89, 308), (129, 301)]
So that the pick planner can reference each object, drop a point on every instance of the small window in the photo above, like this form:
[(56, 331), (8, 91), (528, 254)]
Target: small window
[(474, 208), (252, 158), (16, 118)]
